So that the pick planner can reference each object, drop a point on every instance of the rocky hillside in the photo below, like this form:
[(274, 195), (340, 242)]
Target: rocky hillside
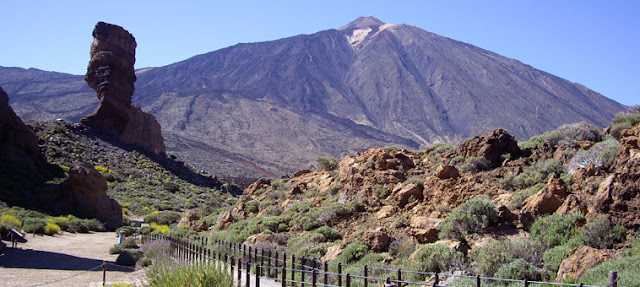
[(274, 107), (489, 206)]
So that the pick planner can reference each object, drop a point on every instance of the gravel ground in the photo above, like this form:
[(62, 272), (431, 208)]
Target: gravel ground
[(67, 260)]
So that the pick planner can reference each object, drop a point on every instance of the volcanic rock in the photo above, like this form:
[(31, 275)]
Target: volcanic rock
[(402, 194), (90, 197), (225, 221), (580, 260), (18, 144), (491, 146), (546, 201), (377, 239), (446, 172), (619, 194), (111, 73), (190, 219)]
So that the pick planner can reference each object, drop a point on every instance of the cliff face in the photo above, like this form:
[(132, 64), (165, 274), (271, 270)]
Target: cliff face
[(112, 75)]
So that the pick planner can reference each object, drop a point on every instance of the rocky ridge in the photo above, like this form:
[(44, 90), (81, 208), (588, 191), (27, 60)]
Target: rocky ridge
[(388, 198)]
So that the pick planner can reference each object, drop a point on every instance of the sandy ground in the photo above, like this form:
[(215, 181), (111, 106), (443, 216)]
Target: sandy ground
[(63, 260)]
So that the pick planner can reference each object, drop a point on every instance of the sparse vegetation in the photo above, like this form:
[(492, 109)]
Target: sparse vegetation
[(473, 216)]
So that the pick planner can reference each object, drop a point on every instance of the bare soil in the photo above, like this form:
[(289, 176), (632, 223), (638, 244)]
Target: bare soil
[(64, 260)]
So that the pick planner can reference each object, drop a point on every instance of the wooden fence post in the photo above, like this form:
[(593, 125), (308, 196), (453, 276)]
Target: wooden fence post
[(613, 279)]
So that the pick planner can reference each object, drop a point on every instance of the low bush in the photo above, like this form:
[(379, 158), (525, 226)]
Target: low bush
[(491, 256), (160, 228), (77, 225), (130, 243), (554, 230), (572, 134), (329, 233), (532, 175), (95, 225), (352, 253), (627, 267), (520, 196), (327, 164), (602, 233), (116, 249), (10, 221), (51, 229), (475, 164), (518, 269), (127, 230), (34, 225), (473, 216), (554, 256), (436, 258), (125, 259), (163, 217), (623, 121)]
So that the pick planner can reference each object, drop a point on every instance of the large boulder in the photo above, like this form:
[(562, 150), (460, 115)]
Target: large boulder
[(546, 201), (90, 199), (189, 220), (403, 193), (377, 239), (580, 260), (111, 73), (446, 172), (491, 146)]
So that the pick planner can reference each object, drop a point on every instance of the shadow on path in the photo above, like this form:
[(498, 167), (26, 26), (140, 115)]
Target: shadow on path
[(36, 259)]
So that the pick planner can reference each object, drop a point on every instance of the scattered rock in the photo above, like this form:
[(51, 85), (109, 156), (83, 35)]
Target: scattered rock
[(505, 216), (402, 194), (491, 146), (546, 201), (190, 219), (225, 221), (425, 235), (386, 212), (111, 73), (447, 172), (580, 260), (333, 252), (377, 239)]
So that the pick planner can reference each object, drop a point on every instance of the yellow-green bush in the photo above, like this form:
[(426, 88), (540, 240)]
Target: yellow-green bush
[(51, 229), (10, 221), (160, 228)]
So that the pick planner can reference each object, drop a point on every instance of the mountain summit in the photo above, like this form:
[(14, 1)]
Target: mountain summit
[(274, 107)]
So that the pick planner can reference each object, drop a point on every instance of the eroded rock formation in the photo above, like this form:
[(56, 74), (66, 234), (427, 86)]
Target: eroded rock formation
[(491, 146), (111, 73)]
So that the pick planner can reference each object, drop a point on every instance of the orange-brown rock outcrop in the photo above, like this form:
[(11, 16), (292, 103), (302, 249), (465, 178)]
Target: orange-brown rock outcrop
[(111, 73)]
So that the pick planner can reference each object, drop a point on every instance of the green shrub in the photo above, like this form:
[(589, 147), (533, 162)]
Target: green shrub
[(327, 164), (252, 206), (303, 245), (77, 225), (381, 191), (170, 186), (532, 175), (125, 258), (165, 217), (627, 267), (623, 121), (491, 256), (518, 269), (130, 243), (456, 160), (554, 230), (473, 216), (116, 249), (534, 142), (554, 256), (602, 233), (438, 148), (352, 253), (572, 134), (475, 164), (436, 258), (329, 233), (94, 225), (51, 229), (34, 225)]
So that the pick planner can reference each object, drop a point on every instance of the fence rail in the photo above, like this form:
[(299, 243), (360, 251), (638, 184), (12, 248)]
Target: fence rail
[(300, 271)]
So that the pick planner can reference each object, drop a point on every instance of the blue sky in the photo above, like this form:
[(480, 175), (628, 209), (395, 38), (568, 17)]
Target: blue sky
[(594, 43)]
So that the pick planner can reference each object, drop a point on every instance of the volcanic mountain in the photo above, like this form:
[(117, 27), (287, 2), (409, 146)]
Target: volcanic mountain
[(274, 107)]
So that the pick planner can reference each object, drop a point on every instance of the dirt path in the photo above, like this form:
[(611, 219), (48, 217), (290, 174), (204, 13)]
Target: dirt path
[(67, 260)]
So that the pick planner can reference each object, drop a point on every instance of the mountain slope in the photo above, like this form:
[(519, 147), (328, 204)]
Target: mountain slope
[(274, 107)]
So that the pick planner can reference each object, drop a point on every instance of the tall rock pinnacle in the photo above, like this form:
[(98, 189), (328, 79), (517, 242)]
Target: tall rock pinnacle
[(111, 73)]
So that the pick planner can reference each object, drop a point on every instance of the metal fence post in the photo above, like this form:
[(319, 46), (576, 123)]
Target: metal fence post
[(366, 274), (313, 277), (348, 280), (284, 276), (526, 283), (478, 281), (340, 274), (247, 274), (326, 269), (257, 275), (399, 275), (435, 283)]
